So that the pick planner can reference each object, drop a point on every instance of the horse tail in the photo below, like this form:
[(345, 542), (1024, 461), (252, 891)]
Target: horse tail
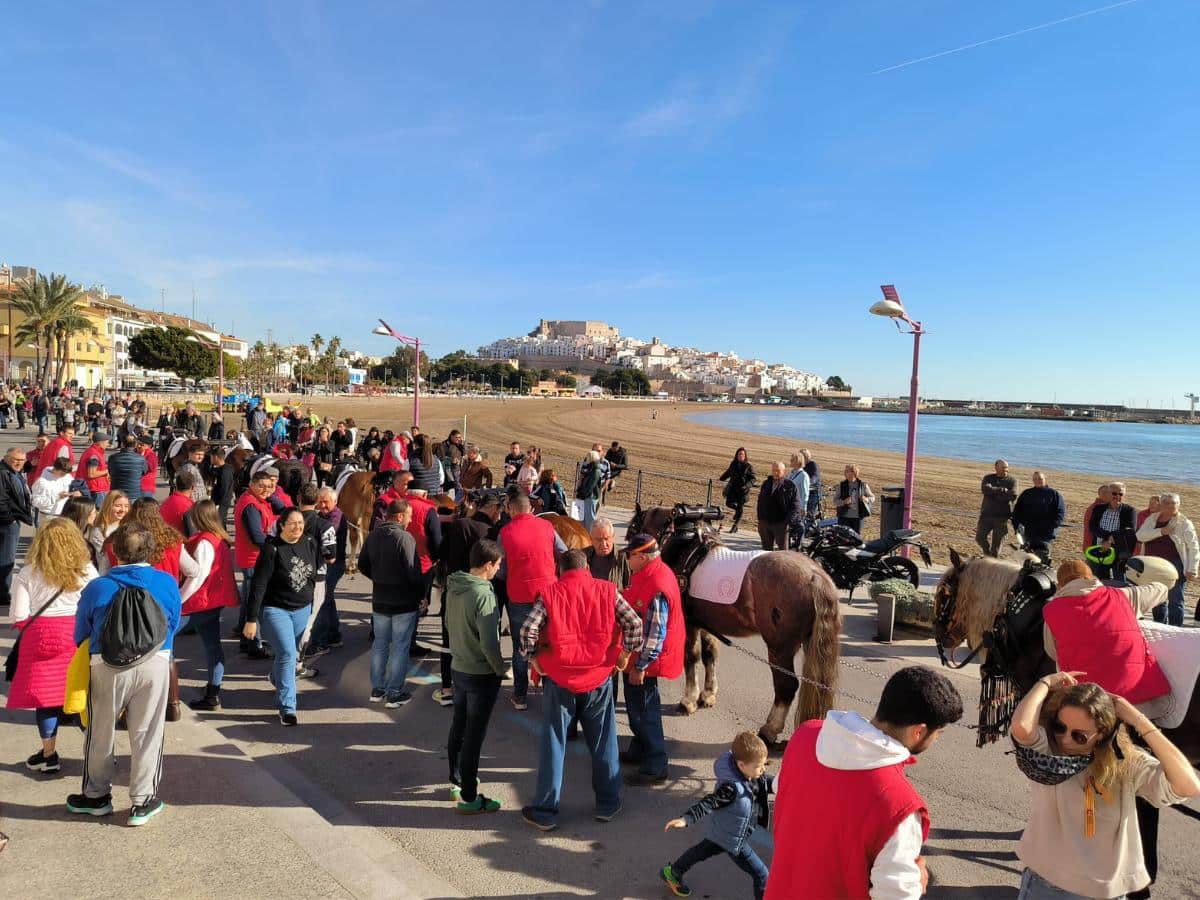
[(821, 651)]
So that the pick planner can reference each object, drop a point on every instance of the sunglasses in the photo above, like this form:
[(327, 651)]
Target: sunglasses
[(1081, 738), (1116, 493)]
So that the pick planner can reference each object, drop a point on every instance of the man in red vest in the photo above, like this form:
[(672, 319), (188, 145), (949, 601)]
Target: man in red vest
[(92, 467), (580, 628), (59, 446), (653, 593), (529, 545), (253, 516), (848, 823), (176, 507)]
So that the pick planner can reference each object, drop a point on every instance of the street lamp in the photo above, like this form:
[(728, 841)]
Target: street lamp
[(386, 330), (891, 307)]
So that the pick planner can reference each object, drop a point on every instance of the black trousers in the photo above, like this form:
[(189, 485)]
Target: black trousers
[(474, 698)]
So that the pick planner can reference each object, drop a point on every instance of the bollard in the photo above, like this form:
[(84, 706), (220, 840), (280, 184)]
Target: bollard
[(637, 498), (885, 619), (708, 496)]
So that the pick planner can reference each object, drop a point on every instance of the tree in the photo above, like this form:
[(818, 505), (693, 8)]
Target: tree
[(566, 381), (835, 383), (174, 350), (627, 382), (50, 307)]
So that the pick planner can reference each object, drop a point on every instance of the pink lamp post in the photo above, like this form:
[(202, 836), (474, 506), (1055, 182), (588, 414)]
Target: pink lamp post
[(892, 308), (386, 330)]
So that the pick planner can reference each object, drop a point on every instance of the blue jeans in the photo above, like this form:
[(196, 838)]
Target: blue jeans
[(645, 721), (10, 534), (1035, 887), (746, 860), (517, 614), (47, 721), (390, 651), (283, 628), (598, 717), (854, 524), (99, 498), (326, 626), (244, 596), (591, 509), (1171, 612), (208, 626)]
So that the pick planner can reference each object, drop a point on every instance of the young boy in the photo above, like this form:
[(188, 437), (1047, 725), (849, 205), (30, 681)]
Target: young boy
[(736, 806)]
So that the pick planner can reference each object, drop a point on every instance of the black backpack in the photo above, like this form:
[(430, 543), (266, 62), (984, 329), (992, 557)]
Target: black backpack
[(135, 627)]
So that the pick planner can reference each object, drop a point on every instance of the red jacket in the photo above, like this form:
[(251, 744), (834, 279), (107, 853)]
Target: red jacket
[(95, 485), (581, 637), (150, 479), (387, 463), (46, 457), (528, 555), (420, 509), (830, 824), (245, 551), (174, 508), (656, 578), (219, 588), (1098, 634)]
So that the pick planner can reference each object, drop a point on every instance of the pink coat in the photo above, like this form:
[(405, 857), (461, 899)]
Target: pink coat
[(46, 650)]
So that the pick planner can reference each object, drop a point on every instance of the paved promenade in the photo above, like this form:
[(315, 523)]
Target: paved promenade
[(354, 801)]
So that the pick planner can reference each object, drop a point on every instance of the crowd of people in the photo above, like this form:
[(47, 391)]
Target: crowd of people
[(113, 575)]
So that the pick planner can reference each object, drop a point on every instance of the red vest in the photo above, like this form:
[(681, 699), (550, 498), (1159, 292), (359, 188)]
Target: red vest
[(95, 485), (830, 824), (174, 508), (387, 462), (655, 578), (219, 588), (47, 457), (170, 562), (245, 551), (581, 637), (150, 479), (420, 509), (284, 497), (1098, 634), (528, 555)]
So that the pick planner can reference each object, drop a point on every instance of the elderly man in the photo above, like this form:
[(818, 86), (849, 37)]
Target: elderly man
[(1103, 496), (604, 559), (15, 508), (1170, 535), (778, 504), (1038, 514), (999, 492)]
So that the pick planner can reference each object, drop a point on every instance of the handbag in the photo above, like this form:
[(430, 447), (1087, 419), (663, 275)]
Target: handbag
[(10, 664)]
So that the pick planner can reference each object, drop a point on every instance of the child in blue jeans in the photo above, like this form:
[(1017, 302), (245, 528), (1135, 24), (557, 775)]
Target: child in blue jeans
[(736, 806)]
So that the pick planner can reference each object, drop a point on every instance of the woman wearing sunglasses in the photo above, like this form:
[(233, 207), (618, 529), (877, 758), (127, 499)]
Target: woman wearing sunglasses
[(1082, 838)]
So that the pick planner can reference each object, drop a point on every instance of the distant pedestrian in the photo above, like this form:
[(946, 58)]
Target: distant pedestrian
[(15, 508), (93, 470), (513, 461), (1113, 527), (112, 513), (1037, 515), (590, 487), (814, 484), (1102, 498), (735, 808), (855, 500), (848, 822), (999, 491), (1142, 514), (473, 620), (604, 559), (550, 493), (179, 503), (618, 462), (212, 588), (799, 477), (778, 505), (474, 473), (739, 477), (1170, 535), (126, 469), (578, 630)]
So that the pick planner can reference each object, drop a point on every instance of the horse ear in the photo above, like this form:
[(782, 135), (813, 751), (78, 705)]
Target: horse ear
[(637, 508), (955, 560)]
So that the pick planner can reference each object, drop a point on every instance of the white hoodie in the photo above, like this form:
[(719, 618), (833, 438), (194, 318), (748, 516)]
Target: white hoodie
[(49, 494), (849, 742)]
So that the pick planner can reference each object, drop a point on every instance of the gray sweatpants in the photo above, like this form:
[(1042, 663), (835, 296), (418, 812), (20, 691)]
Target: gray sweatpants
[(142, 692)]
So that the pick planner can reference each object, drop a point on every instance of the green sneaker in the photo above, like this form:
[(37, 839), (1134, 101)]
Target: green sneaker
[(456, 791), (676, 886), (480, 804), (144, 812)]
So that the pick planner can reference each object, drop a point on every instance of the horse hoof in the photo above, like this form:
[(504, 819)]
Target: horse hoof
[(708, 699), (774, 744), (687, 707)]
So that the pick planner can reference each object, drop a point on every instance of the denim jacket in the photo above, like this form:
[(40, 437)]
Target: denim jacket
[(736, 806)]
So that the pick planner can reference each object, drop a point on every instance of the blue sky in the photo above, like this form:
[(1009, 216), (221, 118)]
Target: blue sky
[(729, 175)]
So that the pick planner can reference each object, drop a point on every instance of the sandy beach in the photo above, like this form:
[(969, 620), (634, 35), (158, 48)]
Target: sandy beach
[(947, 490)]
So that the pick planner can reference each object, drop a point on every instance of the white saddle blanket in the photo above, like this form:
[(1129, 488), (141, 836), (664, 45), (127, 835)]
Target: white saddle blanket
[(718, 579), (176, 446), (345, 474), (1178, 653)]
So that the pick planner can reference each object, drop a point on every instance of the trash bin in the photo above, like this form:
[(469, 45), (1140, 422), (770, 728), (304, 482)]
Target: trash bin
[(891, 509)]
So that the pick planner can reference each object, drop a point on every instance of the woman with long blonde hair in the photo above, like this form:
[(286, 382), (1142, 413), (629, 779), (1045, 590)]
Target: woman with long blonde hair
[(45, 594), (112, 511), (1082, 838)]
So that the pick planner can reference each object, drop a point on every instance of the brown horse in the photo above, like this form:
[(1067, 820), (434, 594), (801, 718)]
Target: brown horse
[(572, 532), (975, 592), (652, 520), (790, 602), (356, 500)]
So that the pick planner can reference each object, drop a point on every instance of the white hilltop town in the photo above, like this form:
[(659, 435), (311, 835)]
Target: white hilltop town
[(587, 346)]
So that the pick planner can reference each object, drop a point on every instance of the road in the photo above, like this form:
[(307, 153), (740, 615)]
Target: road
[(354, 801)]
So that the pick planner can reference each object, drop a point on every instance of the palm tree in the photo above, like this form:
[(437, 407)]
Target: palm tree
[(44, 302), (70, 322), (331, 355), (301, 358)]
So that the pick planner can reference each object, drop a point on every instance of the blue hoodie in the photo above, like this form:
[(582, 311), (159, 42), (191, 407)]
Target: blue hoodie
[(99, 594)]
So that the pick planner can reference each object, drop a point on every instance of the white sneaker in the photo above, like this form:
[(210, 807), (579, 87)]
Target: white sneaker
[(444, 697)]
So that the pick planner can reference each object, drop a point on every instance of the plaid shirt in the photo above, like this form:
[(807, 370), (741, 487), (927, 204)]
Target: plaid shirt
[(627, 618), (654, 632)]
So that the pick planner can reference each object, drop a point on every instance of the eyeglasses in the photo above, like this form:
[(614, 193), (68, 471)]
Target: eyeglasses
[(1079, 737)]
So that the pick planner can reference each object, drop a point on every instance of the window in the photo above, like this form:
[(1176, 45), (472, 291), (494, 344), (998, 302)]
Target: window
[(78, 346), (110, 327)]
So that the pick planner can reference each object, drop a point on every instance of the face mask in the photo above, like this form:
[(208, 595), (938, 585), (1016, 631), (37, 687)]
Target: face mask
[(1047, 769)]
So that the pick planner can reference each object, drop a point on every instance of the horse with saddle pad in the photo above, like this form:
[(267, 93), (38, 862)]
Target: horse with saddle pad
[(783, 596)]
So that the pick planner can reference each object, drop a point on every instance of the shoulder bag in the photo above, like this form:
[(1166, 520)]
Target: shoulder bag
[(10, 664)]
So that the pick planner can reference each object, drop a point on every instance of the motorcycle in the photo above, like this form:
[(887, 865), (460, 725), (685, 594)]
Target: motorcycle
[(850, 561)]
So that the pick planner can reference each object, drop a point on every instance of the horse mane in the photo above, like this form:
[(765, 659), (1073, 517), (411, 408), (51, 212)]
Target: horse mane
[(983, 586)]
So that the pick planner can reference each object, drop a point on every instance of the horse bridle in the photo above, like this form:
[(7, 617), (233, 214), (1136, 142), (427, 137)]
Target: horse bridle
[(941, 626)]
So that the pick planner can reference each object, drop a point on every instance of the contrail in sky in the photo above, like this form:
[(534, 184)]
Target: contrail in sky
[(1005, 37)]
